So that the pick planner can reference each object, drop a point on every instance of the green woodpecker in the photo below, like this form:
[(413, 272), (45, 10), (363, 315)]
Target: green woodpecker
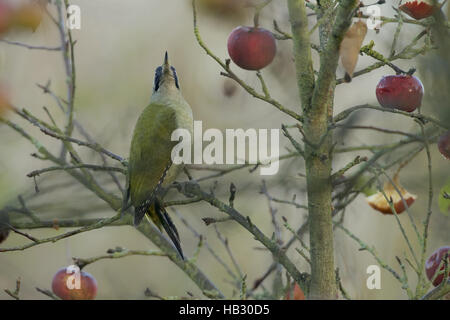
[(150, 163)]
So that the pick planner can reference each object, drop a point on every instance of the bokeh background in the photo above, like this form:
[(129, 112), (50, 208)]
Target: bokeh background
[(119, 45)]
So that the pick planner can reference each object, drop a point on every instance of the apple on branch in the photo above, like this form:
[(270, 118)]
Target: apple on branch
[(74, 284), (403, 92), (433, 262), (252, 48)]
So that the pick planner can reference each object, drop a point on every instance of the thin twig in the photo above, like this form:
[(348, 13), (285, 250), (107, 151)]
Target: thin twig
[(14, 43), (73, 167), (424, 241), (16, 292), (225, 243), (232, 75), (83, 262), (372, 251), (208, 247), (94, 226)]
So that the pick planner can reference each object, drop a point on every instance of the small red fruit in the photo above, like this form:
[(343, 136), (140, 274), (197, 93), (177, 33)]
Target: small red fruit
[(403, 92), (433, 263), (417, 9), (444, 144), (64, 285), (251, 48), (297, 293)]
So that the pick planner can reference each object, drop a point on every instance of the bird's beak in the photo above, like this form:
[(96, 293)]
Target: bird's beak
[(166, 65)]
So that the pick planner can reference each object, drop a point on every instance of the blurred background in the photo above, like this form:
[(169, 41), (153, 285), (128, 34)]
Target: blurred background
[(118, 48)]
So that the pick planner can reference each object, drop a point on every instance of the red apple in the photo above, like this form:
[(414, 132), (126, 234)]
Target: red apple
[(417, 9), (251, 48), (5, 16), (444, 144), (64, 285), (433, 263), (297, 293), (403, 92)]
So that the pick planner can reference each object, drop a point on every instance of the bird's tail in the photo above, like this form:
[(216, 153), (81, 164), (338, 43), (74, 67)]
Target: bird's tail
[(158, 214)]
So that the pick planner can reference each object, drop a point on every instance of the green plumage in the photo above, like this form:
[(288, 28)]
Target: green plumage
[(150, 150), (150, 165)]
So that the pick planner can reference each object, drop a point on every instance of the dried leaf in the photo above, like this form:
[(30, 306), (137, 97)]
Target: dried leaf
[(350, 46)]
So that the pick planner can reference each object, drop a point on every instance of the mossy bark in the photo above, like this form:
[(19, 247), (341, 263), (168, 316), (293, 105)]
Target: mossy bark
[(317, 105)]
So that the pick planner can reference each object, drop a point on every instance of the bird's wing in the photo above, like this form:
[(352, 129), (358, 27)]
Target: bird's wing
[(147, 207), (151, 148)]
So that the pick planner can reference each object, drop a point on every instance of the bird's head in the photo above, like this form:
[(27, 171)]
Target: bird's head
[(165, 77)]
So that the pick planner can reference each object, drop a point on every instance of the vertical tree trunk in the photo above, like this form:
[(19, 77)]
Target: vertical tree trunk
[(317, 104), (318, 170)]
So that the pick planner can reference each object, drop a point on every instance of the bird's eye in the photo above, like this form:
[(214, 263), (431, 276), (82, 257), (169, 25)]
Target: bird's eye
[(174, 72), (158, 74)]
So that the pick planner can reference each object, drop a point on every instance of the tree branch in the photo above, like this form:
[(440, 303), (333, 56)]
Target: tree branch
[(192, 188)]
